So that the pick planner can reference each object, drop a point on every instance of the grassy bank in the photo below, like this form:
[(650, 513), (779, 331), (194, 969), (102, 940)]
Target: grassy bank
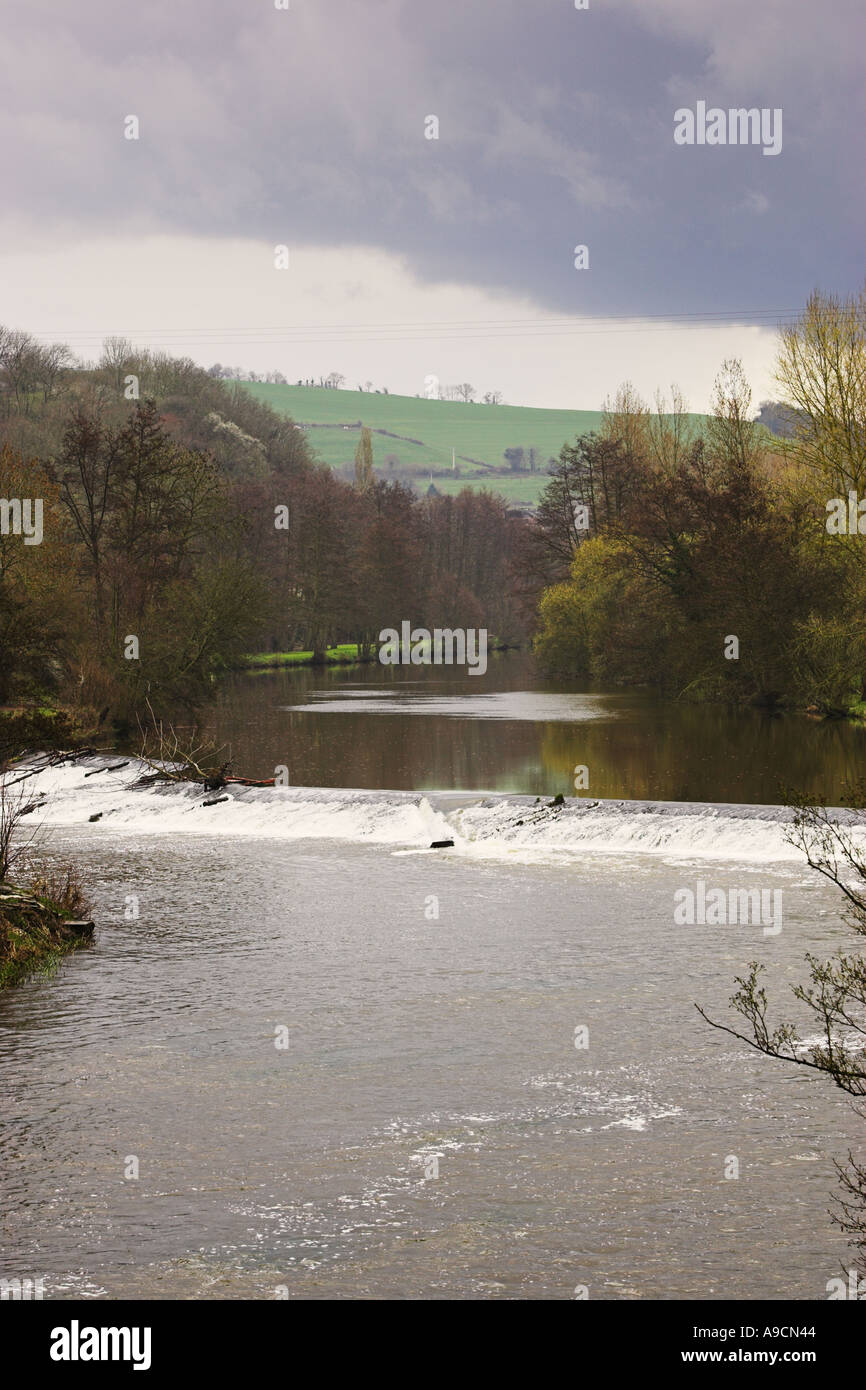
[(344, 655), (38, 927)]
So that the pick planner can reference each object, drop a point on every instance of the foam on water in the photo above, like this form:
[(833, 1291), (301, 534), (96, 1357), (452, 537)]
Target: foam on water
[(500, 826)]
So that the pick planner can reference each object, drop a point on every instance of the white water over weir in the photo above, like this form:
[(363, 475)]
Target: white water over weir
[(494, 826)]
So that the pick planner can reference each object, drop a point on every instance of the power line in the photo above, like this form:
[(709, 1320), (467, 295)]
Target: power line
[(439, 330), (538, 319)]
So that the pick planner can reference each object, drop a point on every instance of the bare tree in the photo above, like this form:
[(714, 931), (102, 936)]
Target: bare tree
[(626, 418), (731, 433), (835, 995), (670, 431), (19, 360), (14, 806), (54, 361), (117, 353), (173, 758), (822, 372)]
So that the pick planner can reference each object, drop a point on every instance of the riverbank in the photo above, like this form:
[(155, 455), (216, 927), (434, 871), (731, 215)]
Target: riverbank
[(346, 654), (37, 930), (46, 726), (40, 923)]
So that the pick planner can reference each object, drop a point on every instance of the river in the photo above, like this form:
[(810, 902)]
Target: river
[(344, 1065), (512, 730)]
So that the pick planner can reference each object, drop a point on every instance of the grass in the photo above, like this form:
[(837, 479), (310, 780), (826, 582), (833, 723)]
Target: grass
[(342, 655), (478, 433), (345, 654), (522, 489), (40, 925)]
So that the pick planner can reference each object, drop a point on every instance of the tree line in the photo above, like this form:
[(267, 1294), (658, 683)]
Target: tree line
[(656, 543), (198, 522), (184, 513)]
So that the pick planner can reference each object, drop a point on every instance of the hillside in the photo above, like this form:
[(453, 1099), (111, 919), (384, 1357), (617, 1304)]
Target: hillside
[(428, 430)]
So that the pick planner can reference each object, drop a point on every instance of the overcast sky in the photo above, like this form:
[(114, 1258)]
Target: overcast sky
[(411, 256)]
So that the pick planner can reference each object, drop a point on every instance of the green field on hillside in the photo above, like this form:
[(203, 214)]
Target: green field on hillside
[(428, 431), (520, 489)]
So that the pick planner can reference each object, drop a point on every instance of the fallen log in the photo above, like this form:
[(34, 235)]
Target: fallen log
[(250, 782)]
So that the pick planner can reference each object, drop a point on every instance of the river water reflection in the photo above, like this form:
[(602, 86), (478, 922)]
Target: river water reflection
[(513, 730)]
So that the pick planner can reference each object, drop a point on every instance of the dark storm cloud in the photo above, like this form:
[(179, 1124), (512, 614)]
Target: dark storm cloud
[(556, 128)]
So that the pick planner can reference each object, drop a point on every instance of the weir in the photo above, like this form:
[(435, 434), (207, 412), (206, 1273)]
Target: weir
[(488, 826)]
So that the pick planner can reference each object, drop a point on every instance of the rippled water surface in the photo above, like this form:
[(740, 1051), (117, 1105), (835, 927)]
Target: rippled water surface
[(430, 1130)]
